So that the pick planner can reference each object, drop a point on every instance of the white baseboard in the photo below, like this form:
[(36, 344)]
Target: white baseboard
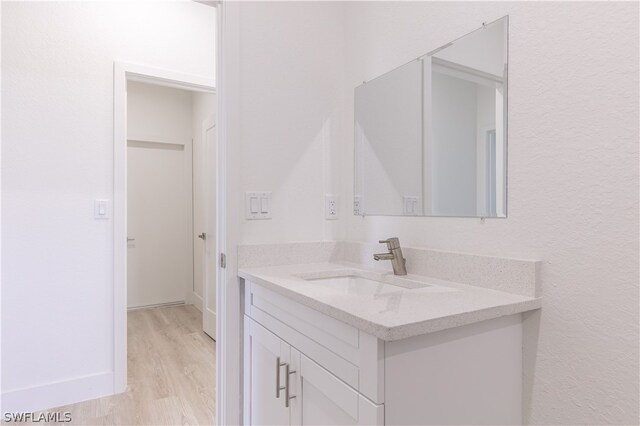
[(158, 305), (57, 394), (196, 300)]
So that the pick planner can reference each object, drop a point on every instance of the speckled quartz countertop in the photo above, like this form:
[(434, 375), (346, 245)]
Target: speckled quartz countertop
[(401, 307)]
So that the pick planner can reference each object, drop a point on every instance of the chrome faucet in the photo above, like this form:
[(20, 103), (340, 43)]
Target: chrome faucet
[(394, 255)]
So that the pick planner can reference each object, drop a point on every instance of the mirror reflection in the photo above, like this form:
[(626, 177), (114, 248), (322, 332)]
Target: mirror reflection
[(430, 136)]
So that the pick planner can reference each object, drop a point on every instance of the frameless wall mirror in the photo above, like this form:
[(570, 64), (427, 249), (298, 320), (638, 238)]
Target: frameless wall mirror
[(431, 135)]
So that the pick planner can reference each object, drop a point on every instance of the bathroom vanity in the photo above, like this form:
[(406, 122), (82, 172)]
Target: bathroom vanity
[(332, 341), (340, 343)]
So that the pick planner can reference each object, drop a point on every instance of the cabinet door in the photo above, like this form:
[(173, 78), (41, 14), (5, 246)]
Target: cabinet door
[(323, 399), (265, 362)]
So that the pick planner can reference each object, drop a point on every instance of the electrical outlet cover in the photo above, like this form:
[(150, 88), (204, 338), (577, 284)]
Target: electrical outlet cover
[(358, 205), (410, 205)]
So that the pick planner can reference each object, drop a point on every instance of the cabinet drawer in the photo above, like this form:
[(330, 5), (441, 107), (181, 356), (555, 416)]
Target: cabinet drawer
[(342, 338), (354, 357)]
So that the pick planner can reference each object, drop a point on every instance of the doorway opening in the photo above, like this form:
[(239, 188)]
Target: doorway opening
[(165, 219), (171, 199)]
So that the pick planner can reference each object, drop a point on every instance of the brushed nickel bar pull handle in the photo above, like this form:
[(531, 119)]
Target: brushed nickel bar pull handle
[(278, 387), (288, 397)]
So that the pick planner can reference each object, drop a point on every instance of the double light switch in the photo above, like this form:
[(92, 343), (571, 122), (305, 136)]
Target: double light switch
[(258, 205)]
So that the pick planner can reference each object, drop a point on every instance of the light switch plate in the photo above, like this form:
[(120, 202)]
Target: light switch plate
[(101, 209), (257, 205), (331, 207)]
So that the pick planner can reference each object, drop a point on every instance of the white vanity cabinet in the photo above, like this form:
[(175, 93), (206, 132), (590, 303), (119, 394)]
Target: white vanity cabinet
[(285, 387), (302, 367), (265, 355)]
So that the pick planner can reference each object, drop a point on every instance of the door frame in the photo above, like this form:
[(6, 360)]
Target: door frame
[(123, 72), (229, 212), (207, 123)]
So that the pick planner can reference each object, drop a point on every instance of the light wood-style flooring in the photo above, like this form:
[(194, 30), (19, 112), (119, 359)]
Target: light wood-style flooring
[(171, 374)]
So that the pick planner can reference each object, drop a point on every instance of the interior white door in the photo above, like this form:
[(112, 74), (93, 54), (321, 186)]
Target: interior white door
[(156, 224), (205, 224)]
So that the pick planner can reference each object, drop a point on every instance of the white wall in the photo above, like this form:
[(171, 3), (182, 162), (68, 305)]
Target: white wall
[(283, 70), (158, 114), (573, 185), (57, 127), (289, 84), (573, 171)]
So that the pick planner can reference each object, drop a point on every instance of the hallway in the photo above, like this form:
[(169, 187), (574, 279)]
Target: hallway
[(171, 373)]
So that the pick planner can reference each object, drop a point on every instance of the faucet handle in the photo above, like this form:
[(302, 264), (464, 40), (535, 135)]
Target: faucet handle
[(392, 243)]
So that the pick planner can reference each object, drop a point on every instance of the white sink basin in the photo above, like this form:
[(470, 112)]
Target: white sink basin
[(360, 283)]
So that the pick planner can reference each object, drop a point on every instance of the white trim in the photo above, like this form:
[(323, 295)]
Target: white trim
[(119, 227), (167, 78), (196, 300), (57, 394), (207, 316), (188, 272), (156, 305), (427, 138), (229, 324), (481, 162), (123, 72), (466, 72), (221, 197)]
